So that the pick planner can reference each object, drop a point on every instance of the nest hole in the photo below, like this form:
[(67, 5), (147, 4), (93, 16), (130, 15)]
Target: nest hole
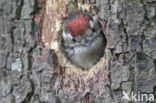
[(67, 63)]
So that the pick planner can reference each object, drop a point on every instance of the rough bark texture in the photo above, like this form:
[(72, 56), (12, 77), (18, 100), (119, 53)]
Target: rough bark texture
[(29, 72)]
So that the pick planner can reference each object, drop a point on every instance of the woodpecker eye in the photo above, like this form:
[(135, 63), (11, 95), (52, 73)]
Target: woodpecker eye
[(93, 30), (74, 39)]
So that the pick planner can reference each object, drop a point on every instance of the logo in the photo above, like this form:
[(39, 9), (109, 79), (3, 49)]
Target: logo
[(138, 96)]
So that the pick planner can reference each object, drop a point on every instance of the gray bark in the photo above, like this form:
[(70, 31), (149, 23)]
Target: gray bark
[(27, 75)]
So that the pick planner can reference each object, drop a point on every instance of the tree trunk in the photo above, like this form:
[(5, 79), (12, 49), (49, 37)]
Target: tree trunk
[(34, 69)]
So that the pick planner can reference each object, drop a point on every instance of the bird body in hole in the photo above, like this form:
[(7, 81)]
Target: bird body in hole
[(83, 40)]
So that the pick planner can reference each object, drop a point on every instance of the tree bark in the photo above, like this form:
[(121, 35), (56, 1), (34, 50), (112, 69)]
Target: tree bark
[(34, 69)]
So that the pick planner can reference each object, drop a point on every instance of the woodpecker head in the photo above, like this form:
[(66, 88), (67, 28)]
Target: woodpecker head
[(79, 30), (83, 39)]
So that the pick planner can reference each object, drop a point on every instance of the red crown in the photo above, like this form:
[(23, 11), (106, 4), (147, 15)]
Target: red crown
[(78, 25)]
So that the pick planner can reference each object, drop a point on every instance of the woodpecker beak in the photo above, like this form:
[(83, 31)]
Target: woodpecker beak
[(87, 43)]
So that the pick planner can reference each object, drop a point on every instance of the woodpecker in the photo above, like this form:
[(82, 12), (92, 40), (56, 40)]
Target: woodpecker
[(83, 40)]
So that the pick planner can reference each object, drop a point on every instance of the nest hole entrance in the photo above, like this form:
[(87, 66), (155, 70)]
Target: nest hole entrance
[(66, 62)]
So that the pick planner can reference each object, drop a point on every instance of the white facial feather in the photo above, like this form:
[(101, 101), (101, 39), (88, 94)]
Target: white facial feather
[(67, 36), (91, 23)]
